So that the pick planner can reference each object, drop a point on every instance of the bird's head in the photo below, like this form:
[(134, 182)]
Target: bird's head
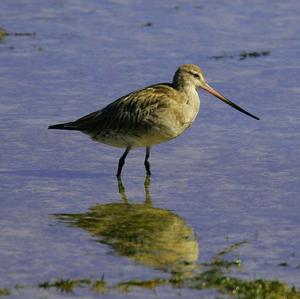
[(191, 76)]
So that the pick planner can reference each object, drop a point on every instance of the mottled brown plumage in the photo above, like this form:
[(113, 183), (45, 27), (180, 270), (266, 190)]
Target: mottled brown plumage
[(148, 116)]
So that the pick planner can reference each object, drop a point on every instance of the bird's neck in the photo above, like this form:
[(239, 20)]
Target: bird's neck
[(181, 84), (185, 87), (189, 92)]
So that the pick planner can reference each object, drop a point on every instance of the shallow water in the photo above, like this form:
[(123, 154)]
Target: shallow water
[(228, 179)]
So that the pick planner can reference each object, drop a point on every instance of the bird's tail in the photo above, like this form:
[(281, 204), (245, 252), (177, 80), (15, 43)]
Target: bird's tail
[(65, 126)]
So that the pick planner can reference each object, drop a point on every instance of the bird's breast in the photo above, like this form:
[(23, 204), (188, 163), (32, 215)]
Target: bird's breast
[(190, 107), (181, 114)]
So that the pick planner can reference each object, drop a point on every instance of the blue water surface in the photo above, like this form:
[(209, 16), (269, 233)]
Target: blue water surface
[(229, 177)]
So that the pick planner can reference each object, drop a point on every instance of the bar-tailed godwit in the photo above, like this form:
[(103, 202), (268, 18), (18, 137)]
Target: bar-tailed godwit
[(148, 116)]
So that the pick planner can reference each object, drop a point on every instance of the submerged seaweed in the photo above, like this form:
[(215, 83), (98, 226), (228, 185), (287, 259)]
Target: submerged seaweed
[(243, 55)]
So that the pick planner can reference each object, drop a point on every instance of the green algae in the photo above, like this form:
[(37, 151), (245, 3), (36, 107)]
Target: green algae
[(3, 33), (214, 275), (4, 292), (70, 285)]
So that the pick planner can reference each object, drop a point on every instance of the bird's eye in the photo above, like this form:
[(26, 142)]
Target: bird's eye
[(196, 76)]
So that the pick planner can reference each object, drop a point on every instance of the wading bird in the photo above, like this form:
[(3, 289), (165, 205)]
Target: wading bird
[(148, 116)]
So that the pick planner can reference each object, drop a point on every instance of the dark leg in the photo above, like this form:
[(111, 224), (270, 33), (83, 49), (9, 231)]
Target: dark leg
[(122, 160), (146, 163)]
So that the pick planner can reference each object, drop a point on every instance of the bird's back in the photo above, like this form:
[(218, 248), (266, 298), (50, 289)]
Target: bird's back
[(134, 111)]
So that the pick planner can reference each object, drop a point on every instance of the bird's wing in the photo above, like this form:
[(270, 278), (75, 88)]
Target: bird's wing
[(136, 110)]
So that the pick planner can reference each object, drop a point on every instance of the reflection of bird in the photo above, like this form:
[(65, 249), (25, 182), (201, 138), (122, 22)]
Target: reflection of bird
[(148, 116), (154, 237)]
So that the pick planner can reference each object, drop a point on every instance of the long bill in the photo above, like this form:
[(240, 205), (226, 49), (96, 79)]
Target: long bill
[(225, 100)]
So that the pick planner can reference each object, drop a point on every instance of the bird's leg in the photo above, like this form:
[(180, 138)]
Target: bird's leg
[(146, 163), (122, 160)]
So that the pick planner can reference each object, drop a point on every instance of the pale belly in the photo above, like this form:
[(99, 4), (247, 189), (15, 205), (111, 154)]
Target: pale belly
[(141, 139), (121, 139)]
